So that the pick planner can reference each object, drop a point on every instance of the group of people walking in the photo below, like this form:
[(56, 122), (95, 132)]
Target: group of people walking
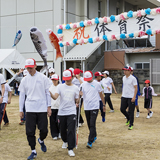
[(41, 96)]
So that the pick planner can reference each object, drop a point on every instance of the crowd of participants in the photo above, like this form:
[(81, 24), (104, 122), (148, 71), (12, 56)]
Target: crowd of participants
[(40, 96)]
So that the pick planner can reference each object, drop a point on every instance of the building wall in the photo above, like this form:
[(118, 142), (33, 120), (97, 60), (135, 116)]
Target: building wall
[(114, 60), (141, 57)]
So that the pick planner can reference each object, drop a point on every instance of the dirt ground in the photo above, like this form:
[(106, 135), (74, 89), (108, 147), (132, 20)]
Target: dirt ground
[(114, 140)]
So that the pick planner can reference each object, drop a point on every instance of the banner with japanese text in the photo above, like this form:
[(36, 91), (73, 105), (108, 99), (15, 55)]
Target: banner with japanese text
[(113, 28)]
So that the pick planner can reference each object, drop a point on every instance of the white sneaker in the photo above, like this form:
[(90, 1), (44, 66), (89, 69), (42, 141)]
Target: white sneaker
[(137, 114), (71, 153), (111, 111), (55, 138), (148, 117), (59, 136), (64, 145), (151, 114)]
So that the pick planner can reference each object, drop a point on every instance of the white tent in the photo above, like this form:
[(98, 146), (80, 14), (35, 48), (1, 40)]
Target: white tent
[(11, 59)]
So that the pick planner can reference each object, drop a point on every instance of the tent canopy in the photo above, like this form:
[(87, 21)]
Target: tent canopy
[(81, 52), (11, 58)]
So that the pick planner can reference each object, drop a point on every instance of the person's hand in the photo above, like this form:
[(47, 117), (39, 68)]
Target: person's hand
[(77, 105), (77, 76), (108, 88), (1, 100), (49, 111), (9, 101), (104, 108), (21, 114), (115, 92), (81, 93), (140, 96), (21, 70), (133, 99)]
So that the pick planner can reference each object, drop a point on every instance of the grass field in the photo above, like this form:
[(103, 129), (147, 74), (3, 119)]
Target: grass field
[(115, 141)]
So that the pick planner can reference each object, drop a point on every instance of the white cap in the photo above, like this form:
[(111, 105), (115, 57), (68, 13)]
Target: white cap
[(55, 77), (51, 70), (88, 75), (25, 72), (72, 69), (106, 72), (30, 63), (67, 74)]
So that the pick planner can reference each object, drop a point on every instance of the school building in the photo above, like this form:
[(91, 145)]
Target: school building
[(23, 14)]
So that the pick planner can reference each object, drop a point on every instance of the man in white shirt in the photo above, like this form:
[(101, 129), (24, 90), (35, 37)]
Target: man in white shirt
[(129, 92), (69, 94), (91, 90), (98, 78), (78, 80), (35, 87), (107, 83)]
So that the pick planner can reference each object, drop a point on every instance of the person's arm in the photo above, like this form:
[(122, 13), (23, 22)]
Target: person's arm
[(10, 96), (135, 92), (103, 101), (153, 93), (2, 91), (143, 94), (21, 103), (79, 78), (48, 98), (20, 71), (114, 88), (55, 96)]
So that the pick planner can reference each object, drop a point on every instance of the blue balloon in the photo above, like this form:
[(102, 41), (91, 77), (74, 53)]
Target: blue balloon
[(67, 26), (97, 20), (59, 31), (130, 14), (148, 11), (112, 18), (81, 24), (90, 40), (105, 37), (149, 31), (61, 44), (75, 41), (131, 35), (122, 36)]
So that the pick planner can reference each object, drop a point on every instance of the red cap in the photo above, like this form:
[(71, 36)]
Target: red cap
[(127, 68), (30, 63), (67, 74), (77, 71), (147, 81), (88, 75), (98, 74)]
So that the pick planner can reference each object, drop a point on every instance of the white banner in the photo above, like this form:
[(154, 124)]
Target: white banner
[(126, 25)]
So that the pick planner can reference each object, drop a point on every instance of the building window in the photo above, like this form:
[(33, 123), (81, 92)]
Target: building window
[(141, 65), (99, 8)]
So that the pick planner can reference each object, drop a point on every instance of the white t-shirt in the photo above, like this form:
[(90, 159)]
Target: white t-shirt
[(128, 86), (67, 94), (106, 82), (100, 82), (35, 88), (91, 95), (50, 82), (2, 80), (76, 82), (54, 103), (7, 89)]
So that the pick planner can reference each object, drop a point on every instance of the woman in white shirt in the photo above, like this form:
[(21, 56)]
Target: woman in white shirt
[(54, 126), (107, 83)]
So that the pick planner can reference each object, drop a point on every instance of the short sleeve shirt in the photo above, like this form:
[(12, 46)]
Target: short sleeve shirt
[(67, 94), (91, 95), (107, 83), (7, 89), (128, 86), (2, 80)]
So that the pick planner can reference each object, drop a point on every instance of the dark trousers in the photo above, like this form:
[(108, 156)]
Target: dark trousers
[(5, 119), (91, 116), (54, 126), (126, 102), (33, 119), (101, 108), (108, 100), (68, 130), (2, 111), (80, 117)]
